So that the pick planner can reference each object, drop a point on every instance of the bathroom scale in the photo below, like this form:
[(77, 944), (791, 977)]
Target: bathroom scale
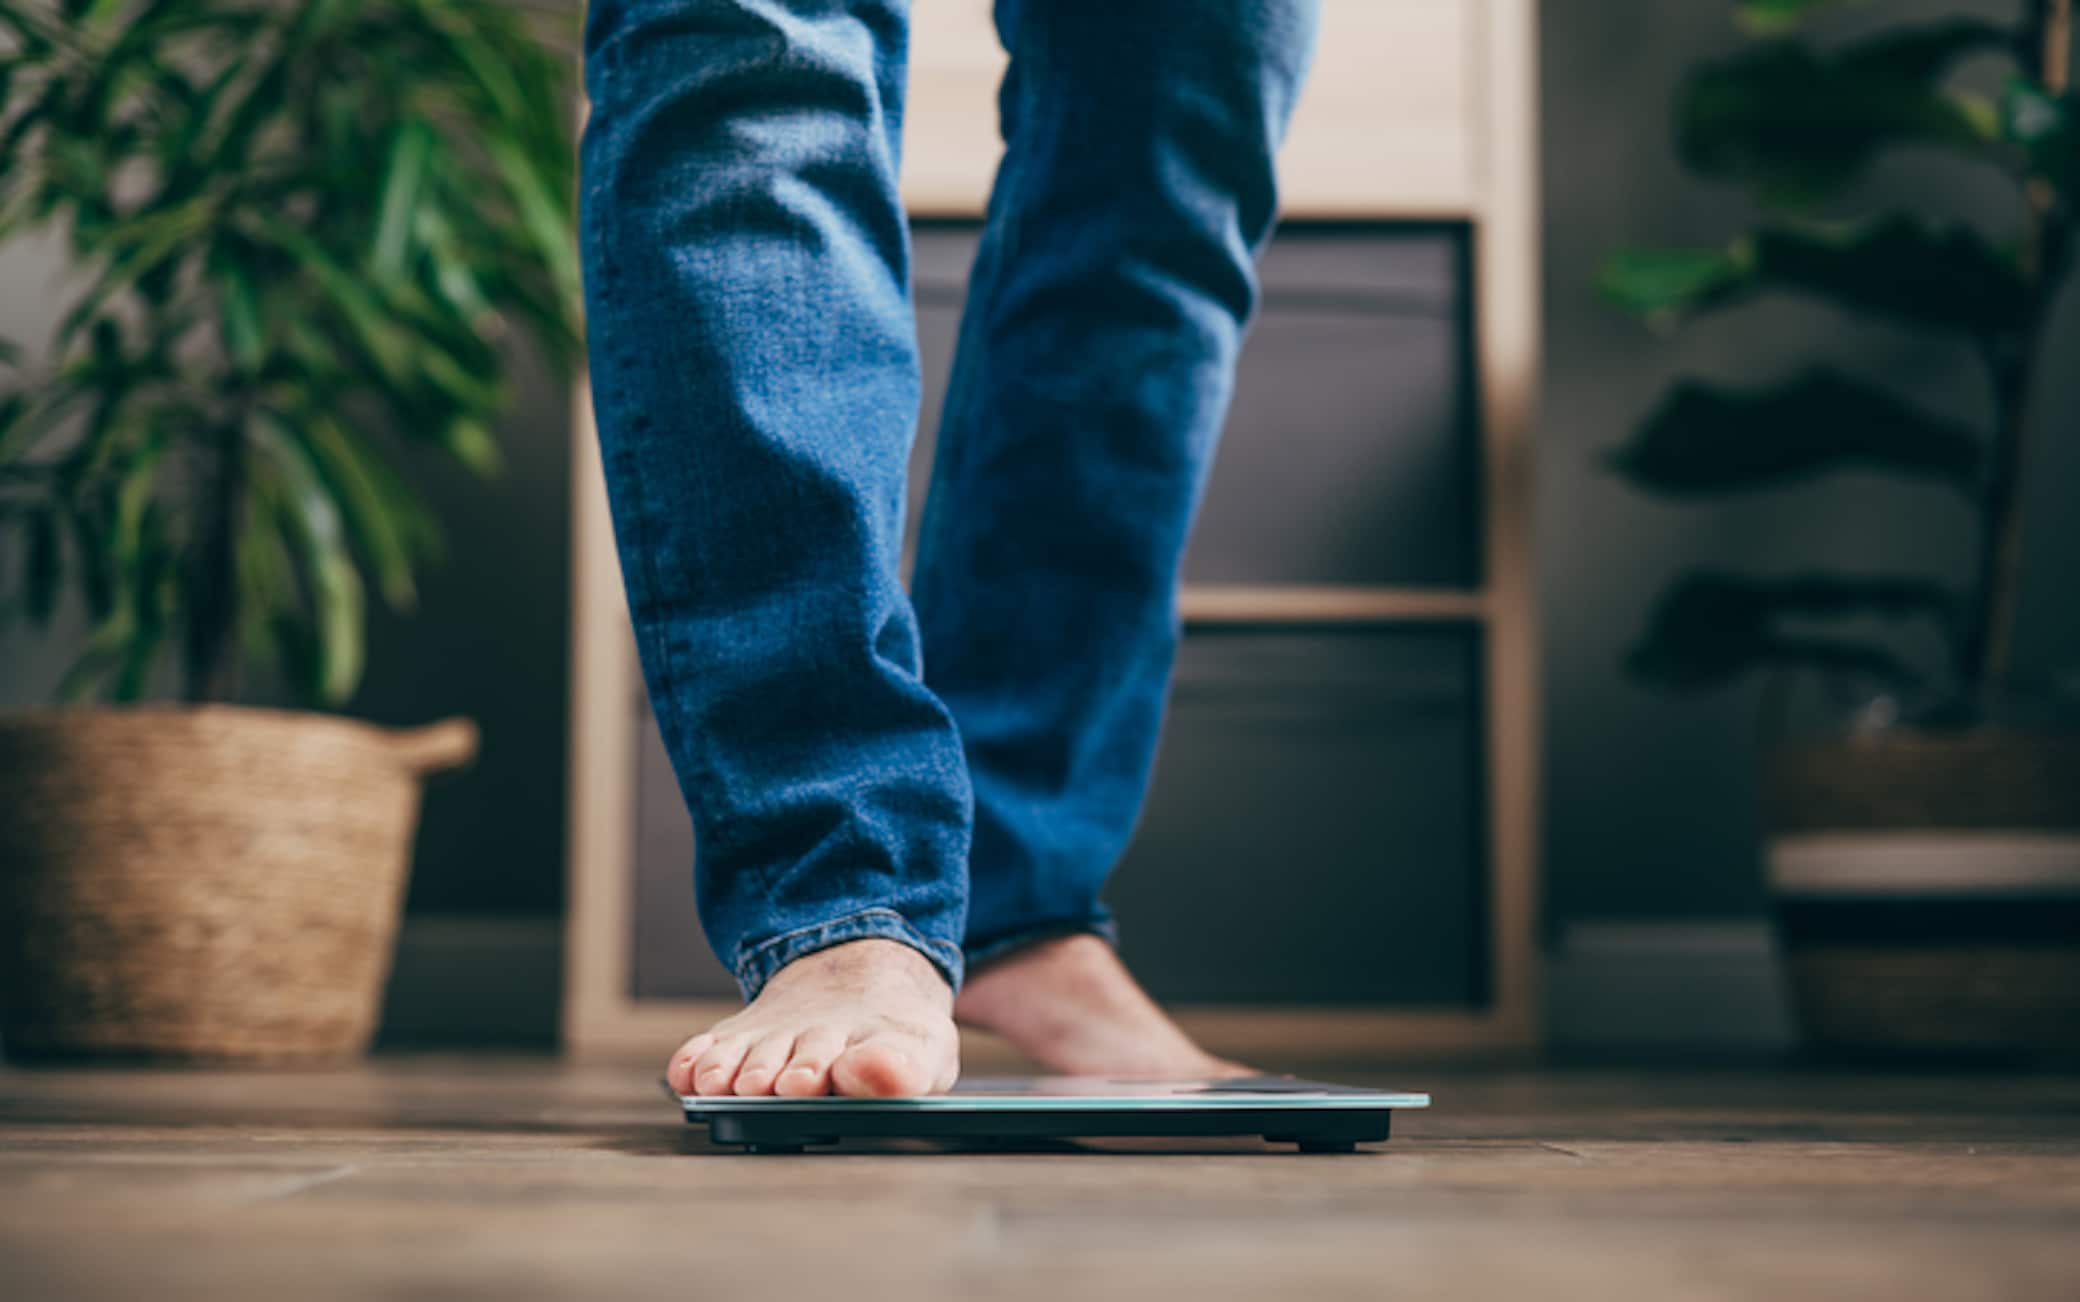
[(1012, 1110)]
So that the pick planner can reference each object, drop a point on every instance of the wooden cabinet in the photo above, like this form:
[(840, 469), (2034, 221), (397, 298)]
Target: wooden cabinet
[(1316, 833), (1337, 853), (1351, 453)]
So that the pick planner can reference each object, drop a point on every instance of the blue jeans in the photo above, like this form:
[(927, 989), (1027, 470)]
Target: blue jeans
[(958, 768)]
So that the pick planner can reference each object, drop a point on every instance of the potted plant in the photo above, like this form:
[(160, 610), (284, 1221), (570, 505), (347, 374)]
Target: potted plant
[(300, 229), (1925, 860)]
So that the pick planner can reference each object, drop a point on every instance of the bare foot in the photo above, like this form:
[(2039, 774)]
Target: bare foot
[(867, 1018), (1069, 1004)]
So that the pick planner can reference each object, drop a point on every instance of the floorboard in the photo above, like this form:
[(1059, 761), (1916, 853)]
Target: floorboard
[(433, 1177)]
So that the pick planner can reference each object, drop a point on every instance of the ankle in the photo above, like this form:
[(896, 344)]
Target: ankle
[(864, 964)]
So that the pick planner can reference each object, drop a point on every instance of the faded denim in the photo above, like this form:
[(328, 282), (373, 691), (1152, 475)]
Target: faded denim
[(961, 773)]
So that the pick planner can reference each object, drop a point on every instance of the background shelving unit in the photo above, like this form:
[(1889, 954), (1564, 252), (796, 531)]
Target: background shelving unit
[(1375, 653)]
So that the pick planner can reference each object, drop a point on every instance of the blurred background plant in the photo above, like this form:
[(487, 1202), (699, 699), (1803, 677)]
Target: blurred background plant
[(1797, 125), (304, 229)]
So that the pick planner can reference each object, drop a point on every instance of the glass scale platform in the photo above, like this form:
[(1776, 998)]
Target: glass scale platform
[(1320, 1118)]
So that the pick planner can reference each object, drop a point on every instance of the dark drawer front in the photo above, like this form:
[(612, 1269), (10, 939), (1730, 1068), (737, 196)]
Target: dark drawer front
[(1313, 835), (1314, 831), (1350, 454)]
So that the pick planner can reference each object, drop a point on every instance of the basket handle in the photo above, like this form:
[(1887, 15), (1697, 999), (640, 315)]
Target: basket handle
[(449, 744)]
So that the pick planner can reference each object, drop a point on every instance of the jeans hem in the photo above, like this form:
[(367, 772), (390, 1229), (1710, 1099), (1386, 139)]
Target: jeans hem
[(1098, 923), (756, 964)]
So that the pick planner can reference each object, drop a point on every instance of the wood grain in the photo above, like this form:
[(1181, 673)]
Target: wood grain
[(526, 1179), (1390, 123)]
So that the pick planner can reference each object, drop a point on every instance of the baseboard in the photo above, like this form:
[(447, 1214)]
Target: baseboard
[(1616, 986), (1612, 986), (475, 982)]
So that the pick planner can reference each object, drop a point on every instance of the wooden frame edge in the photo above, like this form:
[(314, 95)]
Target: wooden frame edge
[(1209, 604), (601, 779), (1507, 321)]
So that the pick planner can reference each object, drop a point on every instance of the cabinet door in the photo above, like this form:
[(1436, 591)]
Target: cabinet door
[(1313, 834), (1350, 454), (1313, 831)]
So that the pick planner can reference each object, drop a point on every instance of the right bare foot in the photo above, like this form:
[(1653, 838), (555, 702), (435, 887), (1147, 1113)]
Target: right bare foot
[(866, 1018), (1069, 1004)]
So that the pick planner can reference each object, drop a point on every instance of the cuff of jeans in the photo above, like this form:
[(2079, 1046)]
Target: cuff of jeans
[(1097, 923), (756, 964)]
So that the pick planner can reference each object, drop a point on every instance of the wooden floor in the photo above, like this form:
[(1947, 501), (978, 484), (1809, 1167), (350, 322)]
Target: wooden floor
[(521, 1179)]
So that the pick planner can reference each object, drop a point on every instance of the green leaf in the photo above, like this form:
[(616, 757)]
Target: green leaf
[(405, 173), (310, 517), (1795, 125), (544, 211), (1704, 439), (2048, 131), (417, 530), (371, 516), (12, 408), (180, 149), (296, 651), (244, 327), (138, 247), (462, 34), (465, 389), (1710, 628), (453, 276), (103, 651), (1901, 268), (1897, 267), (41, 563), (1775, 17), (472, 445), (379, 336), (155, 592), (96, 566), (133, 495), (1663, 284), (335, 206), (263, 99)]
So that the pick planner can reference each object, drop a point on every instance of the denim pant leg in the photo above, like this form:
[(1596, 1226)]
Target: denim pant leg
[(755, 381), (1097, 350)]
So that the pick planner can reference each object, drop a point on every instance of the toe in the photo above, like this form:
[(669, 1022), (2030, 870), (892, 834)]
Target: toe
[(763, 1063), (716, 1070), (679, 1071), (881, 1067), (808, 1071)]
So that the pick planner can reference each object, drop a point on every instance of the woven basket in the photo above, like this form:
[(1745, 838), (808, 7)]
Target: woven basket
[(1927, 892), (210, 882)]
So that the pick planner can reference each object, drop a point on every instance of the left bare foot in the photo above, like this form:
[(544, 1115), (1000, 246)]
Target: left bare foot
[(1070, 1005)]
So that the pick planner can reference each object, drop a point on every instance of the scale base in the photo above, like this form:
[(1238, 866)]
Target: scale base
[(1315, 1117)]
